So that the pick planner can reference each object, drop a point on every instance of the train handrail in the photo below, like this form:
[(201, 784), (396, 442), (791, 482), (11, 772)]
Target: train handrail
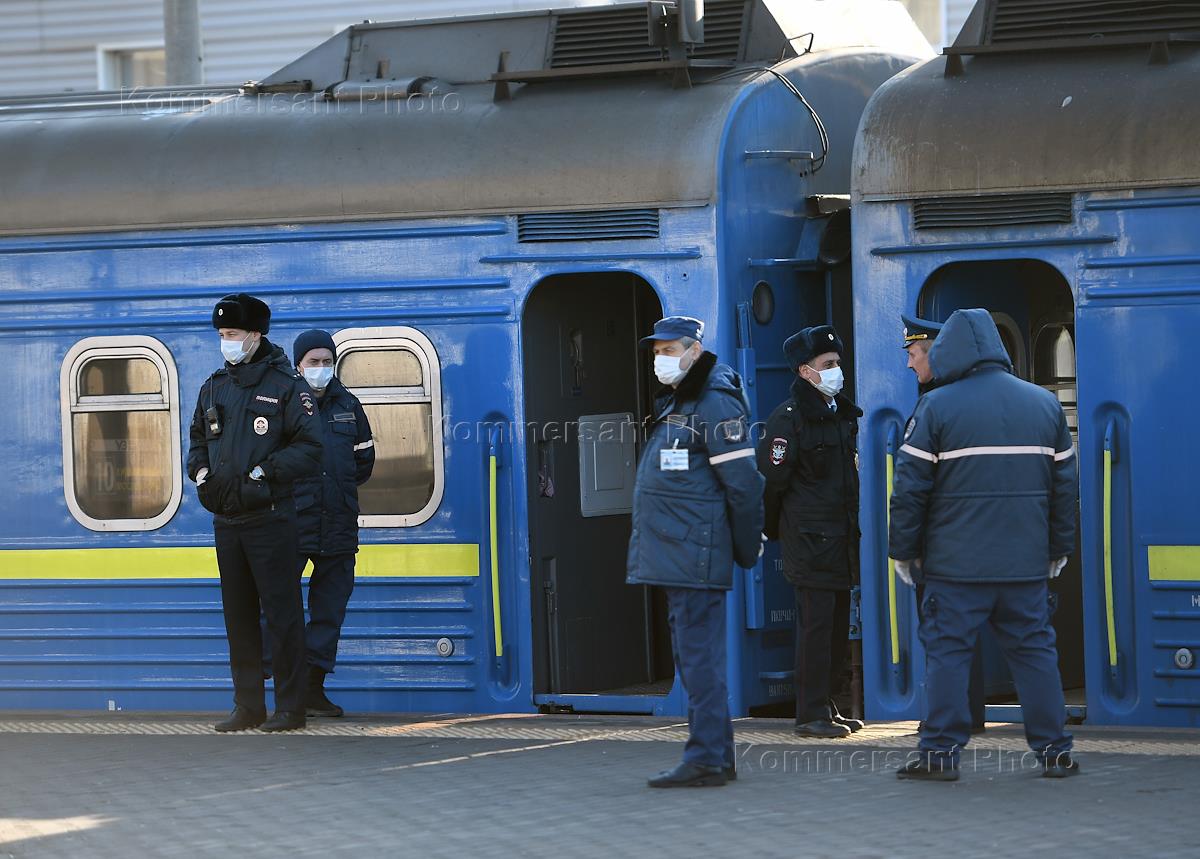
[(893, 618), (494, 544), (1110, 432)]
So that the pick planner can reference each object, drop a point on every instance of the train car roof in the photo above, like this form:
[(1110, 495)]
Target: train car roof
[(1026, 99), (316, 141)]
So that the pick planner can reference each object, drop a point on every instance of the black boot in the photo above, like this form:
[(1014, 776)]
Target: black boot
[(838, 719), (284, 720), (690, 775), (241, 719), (315, 702)]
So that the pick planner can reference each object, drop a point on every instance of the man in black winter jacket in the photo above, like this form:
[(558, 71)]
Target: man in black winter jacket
[(327, 510), (254, 433), (809, 456)]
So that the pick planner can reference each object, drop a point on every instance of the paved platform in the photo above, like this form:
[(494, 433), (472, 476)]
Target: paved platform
[(116, 785)]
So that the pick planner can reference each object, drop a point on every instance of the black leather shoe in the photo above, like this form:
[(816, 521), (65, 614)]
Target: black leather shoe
[(853, 724), (1059, 766), (690, 775), (923, 771), (241, 719), (284, 720), (822, 728), (316, 703)]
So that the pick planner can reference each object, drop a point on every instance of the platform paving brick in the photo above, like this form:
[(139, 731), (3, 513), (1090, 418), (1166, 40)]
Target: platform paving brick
[(117, 785)]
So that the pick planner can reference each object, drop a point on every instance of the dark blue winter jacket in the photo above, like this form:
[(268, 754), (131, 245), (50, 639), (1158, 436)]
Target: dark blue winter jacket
[(690, 526), (327, 503), (985, 487)]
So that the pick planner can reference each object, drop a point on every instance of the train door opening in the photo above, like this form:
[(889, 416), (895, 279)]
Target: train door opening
[(587, 391), (1033, 307)]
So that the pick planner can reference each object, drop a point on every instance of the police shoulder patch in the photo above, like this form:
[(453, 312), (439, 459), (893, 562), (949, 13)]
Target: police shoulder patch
[(306, 401), (779, 448)]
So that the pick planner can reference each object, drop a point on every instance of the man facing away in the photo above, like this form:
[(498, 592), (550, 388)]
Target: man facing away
[(327, 510), (253, 434), (983, 513), (697, 510)]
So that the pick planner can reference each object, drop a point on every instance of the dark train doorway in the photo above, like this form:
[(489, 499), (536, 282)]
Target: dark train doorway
[(1032, 304), (587, 390)]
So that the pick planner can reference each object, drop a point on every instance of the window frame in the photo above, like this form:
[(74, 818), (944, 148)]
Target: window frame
[(71, 403), (108, 63), (350, 340)]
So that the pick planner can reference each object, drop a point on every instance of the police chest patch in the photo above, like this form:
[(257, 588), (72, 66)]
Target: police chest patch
[(779, 448), (733, 431), (306, 400), (260, 425), (908, 430)]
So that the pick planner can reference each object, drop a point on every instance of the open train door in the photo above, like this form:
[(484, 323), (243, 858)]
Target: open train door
[(599, 644)]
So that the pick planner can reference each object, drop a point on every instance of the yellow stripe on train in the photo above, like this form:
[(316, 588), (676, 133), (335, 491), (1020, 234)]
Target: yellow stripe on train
[(1174, 563), (412, 560)]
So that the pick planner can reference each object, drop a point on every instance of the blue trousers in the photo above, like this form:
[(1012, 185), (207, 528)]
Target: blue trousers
[(697, 619), (952, 614), (329, 590)]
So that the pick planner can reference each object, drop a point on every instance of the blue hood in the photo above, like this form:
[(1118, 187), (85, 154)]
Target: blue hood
[(970, 338)]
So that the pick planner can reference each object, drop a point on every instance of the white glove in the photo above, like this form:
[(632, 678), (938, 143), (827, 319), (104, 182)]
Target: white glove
[(762, 547), (201, 476), (1056, 567), (902, 570)]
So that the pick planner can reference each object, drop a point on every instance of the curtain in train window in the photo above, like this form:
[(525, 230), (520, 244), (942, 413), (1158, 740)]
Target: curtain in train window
[(396, 378), (121, 448)]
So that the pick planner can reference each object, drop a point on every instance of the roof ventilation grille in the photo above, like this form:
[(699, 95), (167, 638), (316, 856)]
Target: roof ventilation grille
[(1044, 20), (588, 226), (997, 210)]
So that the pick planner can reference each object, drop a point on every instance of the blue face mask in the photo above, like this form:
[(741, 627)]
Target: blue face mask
[(235, 351), (318, 377)]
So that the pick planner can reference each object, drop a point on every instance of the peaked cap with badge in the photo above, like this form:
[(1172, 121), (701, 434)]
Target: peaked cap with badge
[(918, 330)]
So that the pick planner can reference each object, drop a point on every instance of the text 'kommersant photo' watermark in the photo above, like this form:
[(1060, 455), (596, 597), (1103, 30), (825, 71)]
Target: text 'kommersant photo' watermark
[(397, 99), (981, 758)]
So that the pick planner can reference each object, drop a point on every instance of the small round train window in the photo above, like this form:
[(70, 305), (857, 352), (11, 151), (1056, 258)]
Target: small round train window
[(762, 303)]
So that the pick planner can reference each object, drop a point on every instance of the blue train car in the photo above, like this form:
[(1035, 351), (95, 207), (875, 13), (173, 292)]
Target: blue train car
[(1042, 169), (488, 212)]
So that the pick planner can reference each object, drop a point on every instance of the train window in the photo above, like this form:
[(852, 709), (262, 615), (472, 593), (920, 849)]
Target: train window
[(120, 426), (762, 303), (1054, 368), (1014, 342), (396, 375)]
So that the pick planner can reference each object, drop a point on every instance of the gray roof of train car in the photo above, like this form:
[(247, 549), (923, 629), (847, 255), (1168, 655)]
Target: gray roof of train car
[(78, 163), (1070, 120)]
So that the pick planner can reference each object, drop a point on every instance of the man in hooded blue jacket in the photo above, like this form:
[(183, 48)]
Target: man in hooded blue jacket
[(697, 510), (983, 513)]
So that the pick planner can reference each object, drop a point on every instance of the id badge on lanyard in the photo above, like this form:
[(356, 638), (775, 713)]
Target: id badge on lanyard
[(672, 458)]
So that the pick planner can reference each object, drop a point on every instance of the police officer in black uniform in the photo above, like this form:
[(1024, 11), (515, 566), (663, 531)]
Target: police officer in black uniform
[(919, 335), (809, 458), (254, 433), (327, 510)]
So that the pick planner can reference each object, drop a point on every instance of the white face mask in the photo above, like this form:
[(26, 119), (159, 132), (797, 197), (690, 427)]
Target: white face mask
[(235, 351), (667, 369), (318, 377), (831, 381)]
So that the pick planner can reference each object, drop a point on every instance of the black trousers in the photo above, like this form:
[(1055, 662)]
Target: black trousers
[(257, 559), (822, 627)]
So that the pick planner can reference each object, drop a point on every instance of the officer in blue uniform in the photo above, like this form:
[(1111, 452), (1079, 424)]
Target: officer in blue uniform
[(919, 335), (983, 513), (253, 435), (327, 510), (697, 510)]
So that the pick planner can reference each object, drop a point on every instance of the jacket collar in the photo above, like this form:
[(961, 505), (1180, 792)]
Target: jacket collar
[(251, 372), (812, 406)]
